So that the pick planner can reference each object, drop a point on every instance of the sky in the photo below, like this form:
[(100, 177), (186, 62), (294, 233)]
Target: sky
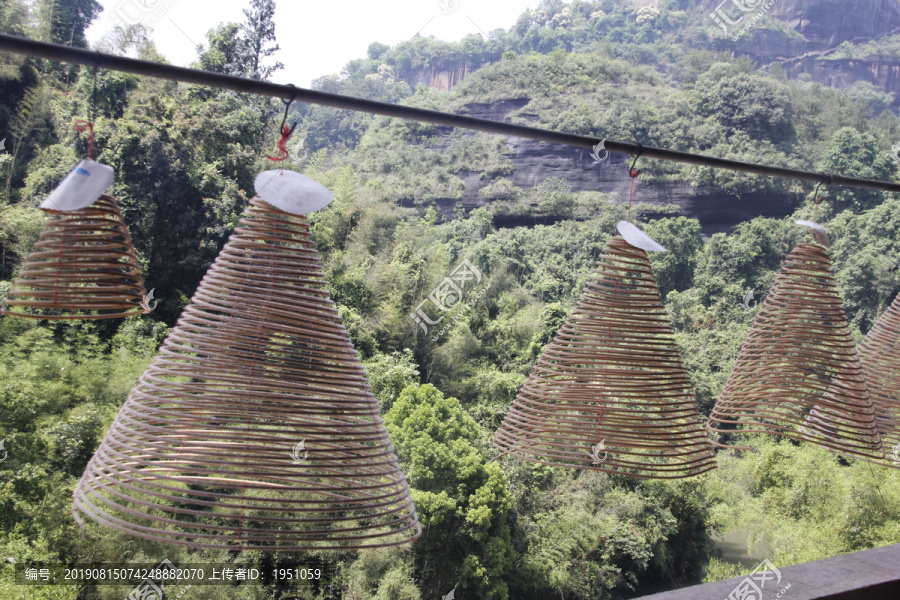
[(316, 38)]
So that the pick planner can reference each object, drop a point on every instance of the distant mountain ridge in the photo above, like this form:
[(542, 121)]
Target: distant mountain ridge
[(805, 31), (830, 22), (822, 32), (569, 66)]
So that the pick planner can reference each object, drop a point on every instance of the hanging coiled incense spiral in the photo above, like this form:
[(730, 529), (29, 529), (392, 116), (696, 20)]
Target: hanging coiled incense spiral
[(610, 392), (254, 427), (83, 266), (797, 374)]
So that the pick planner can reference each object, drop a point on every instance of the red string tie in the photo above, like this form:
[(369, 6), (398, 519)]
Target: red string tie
[(634, 173), (282, 150)]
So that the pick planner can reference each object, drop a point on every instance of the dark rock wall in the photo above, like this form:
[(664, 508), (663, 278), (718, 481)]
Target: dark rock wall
[(441, 77), (535, 161), (882, 71), (825, 22), (836, 21), (823, 25)]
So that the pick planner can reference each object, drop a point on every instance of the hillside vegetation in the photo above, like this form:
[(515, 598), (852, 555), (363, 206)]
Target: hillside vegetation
[(185, 158)]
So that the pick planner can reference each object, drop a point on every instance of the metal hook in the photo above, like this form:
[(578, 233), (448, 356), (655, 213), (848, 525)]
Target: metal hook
[(294, 91), (816, 191), (632, 171), (283, 131), (287, 108), (826, 181)]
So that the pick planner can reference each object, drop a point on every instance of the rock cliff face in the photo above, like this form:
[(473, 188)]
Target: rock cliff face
[(821, 24), (883, 71), (834, 21), (825, 23), (441, 77), (536, 161)]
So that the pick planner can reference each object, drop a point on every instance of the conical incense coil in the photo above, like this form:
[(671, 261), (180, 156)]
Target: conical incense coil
[(610, 392), (879, 355), (83, 266), (797, 373), (254, 427)]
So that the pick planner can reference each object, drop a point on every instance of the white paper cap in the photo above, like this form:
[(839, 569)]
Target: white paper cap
[(638, 238), (818, 232), (813, 225), (291, 192), (81, 187)]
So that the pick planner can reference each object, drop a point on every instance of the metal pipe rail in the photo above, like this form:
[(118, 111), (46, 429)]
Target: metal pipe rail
[(68, 54)]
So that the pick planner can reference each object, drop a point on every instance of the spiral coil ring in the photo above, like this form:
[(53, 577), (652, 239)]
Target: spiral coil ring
[(797, 373), (610, 392), (254, 426), (83, 266), (879, 355)]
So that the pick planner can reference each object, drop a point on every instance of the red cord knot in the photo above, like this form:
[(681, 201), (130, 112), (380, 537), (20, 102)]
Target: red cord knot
[(282, 149), (634, 173)]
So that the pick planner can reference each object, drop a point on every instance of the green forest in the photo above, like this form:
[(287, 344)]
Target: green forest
[(185, 158)]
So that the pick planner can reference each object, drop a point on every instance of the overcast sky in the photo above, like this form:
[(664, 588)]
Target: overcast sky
[(316, 38)]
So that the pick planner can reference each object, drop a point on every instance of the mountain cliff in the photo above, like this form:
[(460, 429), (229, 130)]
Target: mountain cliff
[(831, 22), (660, 73)]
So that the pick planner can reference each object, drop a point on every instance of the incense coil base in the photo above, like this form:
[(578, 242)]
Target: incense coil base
[(83, 266), (797, 374), (879, 355), (254, 427), (610, 392)]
